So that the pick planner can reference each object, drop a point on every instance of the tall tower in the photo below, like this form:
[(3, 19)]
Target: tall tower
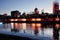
[(55, 7)]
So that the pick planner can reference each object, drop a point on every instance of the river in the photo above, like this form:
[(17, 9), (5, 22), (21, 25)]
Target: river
[(29, 30)]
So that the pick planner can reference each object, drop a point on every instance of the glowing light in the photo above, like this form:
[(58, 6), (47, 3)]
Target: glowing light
[(24, 19), (16, 19), (57, 19), (38, 19), (57, 25), (12, 19), (24, 24), (38, 25), (33, 19), (12, 25), (33, 26), (1, 23), (16, 25)]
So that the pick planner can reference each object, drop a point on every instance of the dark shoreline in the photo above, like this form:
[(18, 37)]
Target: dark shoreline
[(12, 37)]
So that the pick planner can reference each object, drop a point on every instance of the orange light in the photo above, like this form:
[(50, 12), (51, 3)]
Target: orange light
[(12, 19), (33, 19), (16, 19), (33, 26), (17, 26), (57, 19), (57, 25), (24, 24), (23, 19), (38, 25), (38, 19)]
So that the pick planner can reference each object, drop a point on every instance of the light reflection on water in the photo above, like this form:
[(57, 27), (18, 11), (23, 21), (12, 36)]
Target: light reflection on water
[(28, 28)]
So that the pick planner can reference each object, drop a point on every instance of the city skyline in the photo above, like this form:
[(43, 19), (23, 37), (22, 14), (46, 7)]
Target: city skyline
[(6, 6)]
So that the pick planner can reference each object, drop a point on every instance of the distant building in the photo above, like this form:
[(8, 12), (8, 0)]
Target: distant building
[(36, 11), (55, 7), (5, 14), (15, 13)]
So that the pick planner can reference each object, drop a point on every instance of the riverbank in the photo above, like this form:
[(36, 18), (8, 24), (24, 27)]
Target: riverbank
[(12, 37)]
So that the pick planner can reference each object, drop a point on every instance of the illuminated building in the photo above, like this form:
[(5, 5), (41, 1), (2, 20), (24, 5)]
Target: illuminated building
[(55, 7), (15, 26)]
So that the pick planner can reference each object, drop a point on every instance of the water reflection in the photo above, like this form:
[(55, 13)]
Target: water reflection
[(12, 25), (26, 27), (31, 28), (1, 24), (16, 26)]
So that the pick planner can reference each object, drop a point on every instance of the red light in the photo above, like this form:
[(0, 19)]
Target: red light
[(42, 19), (50, 19)]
